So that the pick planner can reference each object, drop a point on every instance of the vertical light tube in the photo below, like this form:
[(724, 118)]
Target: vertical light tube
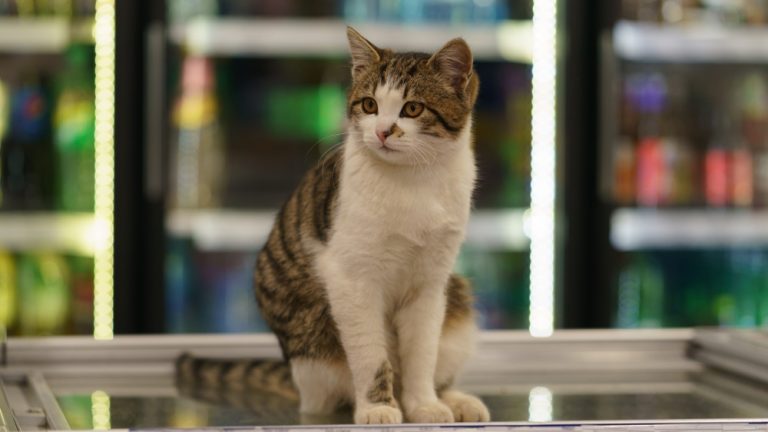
[(104, 142), (101, 414), (543, 150), (539, 405)]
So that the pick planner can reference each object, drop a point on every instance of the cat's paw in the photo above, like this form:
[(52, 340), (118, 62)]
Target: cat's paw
[(378, 414), (433, 412), (465, 407)]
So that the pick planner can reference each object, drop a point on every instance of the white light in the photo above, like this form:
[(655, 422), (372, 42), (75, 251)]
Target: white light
[(543, 123), (101, 414), (104, 171), (514, 40), (540, 405)]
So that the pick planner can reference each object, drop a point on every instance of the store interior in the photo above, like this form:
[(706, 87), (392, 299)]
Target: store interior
[(622, 150)]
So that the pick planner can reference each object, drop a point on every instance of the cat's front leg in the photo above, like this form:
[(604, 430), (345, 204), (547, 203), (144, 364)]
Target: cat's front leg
[(419, 324), (358, 309)]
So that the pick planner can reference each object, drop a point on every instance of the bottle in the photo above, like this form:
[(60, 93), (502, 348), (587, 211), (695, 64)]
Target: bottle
[(43, 294), (624, 171), (198, 157), (650, 97), (74, 123), (717, 192), (760, 173), (81, 288), (752, 99), (641, 292), (7, 290), (27, 161), (181, 287), (741, 172)]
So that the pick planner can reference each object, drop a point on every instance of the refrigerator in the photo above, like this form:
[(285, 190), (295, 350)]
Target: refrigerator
[(681, 187), (55, 180), (256, 93), (77, 206)]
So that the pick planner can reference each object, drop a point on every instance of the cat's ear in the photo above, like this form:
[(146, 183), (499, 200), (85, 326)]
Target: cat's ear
[(363, 52), (454, 62)]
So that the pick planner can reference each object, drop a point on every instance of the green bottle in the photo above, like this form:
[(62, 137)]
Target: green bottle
[(73, 121), (7, 290), (43, 292)]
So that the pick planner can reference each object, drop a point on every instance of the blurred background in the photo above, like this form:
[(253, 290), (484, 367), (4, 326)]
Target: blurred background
[(146, 146)]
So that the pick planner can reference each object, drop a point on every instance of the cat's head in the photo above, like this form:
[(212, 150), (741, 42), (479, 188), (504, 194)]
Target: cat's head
[(410, 108)]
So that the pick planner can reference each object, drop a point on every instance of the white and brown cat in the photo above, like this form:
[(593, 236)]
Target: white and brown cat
[(356, 277)]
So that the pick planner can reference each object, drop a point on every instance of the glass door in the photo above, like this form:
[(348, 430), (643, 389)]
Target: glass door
[(685, 163), (258, 93), (55, 177)]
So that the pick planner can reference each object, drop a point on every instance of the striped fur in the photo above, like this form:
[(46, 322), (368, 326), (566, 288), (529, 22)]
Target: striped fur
[(355, 277)]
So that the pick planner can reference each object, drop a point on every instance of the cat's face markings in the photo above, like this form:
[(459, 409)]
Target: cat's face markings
[(410, 108), (394, 130)]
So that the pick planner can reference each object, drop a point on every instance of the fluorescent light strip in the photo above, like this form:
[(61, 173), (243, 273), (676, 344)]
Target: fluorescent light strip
[(540, 405), (542, 254), (101, 414), (104, 142)]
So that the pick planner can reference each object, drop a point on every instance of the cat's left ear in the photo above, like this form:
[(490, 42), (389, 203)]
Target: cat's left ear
[(363, 52), (454, 61)]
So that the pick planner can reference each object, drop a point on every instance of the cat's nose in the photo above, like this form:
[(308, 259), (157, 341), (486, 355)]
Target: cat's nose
[(383, 134)]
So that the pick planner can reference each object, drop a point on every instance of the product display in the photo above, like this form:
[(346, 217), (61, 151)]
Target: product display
[(691, 138), (271, 116), (683, 144), (47, 166)]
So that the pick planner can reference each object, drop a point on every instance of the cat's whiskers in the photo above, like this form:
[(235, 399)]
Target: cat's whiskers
[(427, 154), (326, 138)]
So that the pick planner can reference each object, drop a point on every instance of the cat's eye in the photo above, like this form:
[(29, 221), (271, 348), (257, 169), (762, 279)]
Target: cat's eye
[(412, 109), (369, 106)]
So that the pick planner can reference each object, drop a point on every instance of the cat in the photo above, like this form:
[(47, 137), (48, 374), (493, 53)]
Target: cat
[(355, 277)]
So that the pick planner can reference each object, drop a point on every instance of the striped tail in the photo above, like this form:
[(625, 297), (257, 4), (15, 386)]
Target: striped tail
[(195, 376)]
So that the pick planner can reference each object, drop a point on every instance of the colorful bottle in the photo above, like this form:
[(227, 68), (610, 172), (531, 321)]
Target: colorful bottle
[(649, 93), (717, 164), (27, 161), (7, 290), (198, 156), (81, 287), (73, 121), (641, 292), (43, 294)]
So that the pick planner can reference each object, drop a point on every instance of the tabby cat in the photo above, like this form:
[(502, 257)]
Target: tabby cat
[(355, 278)]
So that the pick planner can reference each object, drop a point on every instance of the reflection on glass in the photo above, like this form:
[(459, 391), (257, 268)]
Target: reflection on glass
[(540, 404), (100, 410)]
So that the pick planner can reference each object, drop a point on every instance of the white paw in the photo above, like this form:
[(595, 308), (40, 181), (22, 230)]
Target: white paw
[(378, 414), (433, 412), (466, 408)]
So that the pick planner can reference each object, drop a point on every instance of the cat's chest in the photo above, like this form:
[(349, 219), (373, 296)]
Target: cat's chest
[(391, 209)]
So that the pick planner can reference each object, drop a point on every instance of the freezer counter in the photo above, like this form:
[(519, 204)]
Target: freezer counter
[(575, 380)]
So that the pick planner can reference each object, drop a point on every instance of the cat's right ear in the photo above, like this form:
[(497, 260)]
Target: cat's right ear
[(363, 52)]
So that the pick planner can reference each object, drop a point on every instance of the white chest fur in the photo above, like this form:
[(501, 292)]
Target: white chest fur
[(392, 221)]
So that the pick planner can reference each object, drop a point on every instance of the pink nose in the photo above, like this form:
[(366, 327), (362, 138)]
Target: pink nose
[(383, 134)]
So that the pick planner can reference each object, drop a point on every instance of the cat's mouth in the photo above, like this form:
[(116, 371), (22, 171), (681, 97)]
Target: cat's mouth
[(387, 149)]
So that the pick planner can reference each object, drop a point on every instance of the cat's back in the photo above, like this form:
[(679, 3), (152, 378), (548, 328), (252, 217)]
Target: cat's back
[(290, 296)]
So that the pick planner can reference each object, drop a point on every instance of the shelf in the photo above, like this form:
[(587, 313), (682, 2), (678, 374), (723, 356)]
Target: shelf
[(690, 43), (34, 231), (508, 40), (215, 230), (42, 35), (636, 229)]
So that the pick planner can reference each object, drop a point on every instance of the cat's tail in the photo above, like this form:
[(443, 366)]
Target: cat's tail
[(194, 374)]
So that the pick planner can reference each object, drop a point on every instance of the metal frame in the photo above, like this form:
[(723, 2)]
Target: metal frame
[(26, 401), (715, 363)]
